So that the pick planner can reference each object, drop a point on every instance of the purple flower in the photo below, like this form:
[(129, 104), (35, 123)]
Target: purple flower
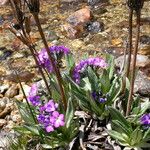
[(59, 119), (145, 119), (102, 100), (93, 62), (59, 49), (34, 90), (50, 106), (33, 97), (44, 59), (49, 117), (49, 128), (34, 100)]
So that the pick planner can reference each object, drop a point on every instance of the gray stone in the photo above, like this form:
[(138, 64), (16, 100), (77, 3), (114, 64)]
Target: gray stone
[(95, 27), (142, 84)]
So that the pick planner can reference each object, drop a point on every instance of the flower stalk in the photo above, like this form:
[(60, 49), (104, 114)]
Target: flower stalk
[(32, 50), (56, 70), (134, 63), (134, 5)]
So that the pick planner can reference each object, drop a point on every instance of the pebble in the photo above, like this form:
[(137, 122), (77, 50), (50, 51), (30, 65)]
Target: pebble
[(145, 39), (95, 27), (19, 97), (3, 88), (16, 118), (74, 27), (94, 2), (77, 44), (12, 91), (2, 122), (3, 102), (2, 106), (26, 89), (5, 54), (51, 36), (10, 124)]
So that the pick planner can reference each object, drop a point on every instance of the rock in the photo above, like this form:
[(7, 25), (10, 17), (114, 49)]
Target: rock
[(5, 112), (3, 2), (115, 51), (2, 122), (16, 118), (145, 39), (19, 97), (146, 70), (51, 36), (144, 50), (3, 102), (116, 42), (93, 2), (24, 76), (12, 91), (10, 125), (2, 106), (141, 60), (69, 31), (5, 53), (3, 88), (76, 22), (77, 44), (95, 27), (79, 17), (142, 84), (26, 88), (1, 95), (68, 1)]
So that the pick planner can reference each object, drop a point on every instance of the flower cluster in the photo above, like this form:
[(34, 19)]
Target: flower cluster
[(93, 62), (33, 96), (145, 120), (55, 50), (98, 96), (49, 117)]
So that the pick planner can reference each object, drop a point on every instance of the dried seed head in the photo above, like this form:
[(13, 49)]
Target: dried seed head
[(33, 5), (135, 4)]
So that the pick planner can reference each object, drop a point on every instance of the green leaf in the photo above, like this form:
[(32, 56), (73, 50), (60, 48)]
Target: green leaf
[(136, 137), (111, 64), (22, 130), (70, 61), (116, 135), (25, 113), (94, 108), (116, 115), (121, 127), (32, 128), (147, 134), (93, 79), (115, 89), (144, 107), (69, 113), (105, 82)]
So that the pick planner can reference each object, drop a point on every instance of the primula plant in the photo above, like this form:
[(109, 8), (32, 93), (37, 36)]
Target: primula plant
[(92, 85), (95, 84)]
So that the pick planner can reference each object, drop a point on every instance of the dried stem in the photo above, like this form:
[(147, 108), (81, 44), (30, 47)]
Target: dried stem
[(130, 42), (138, 13), (32, 49), (56, 70), (25, 97)]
